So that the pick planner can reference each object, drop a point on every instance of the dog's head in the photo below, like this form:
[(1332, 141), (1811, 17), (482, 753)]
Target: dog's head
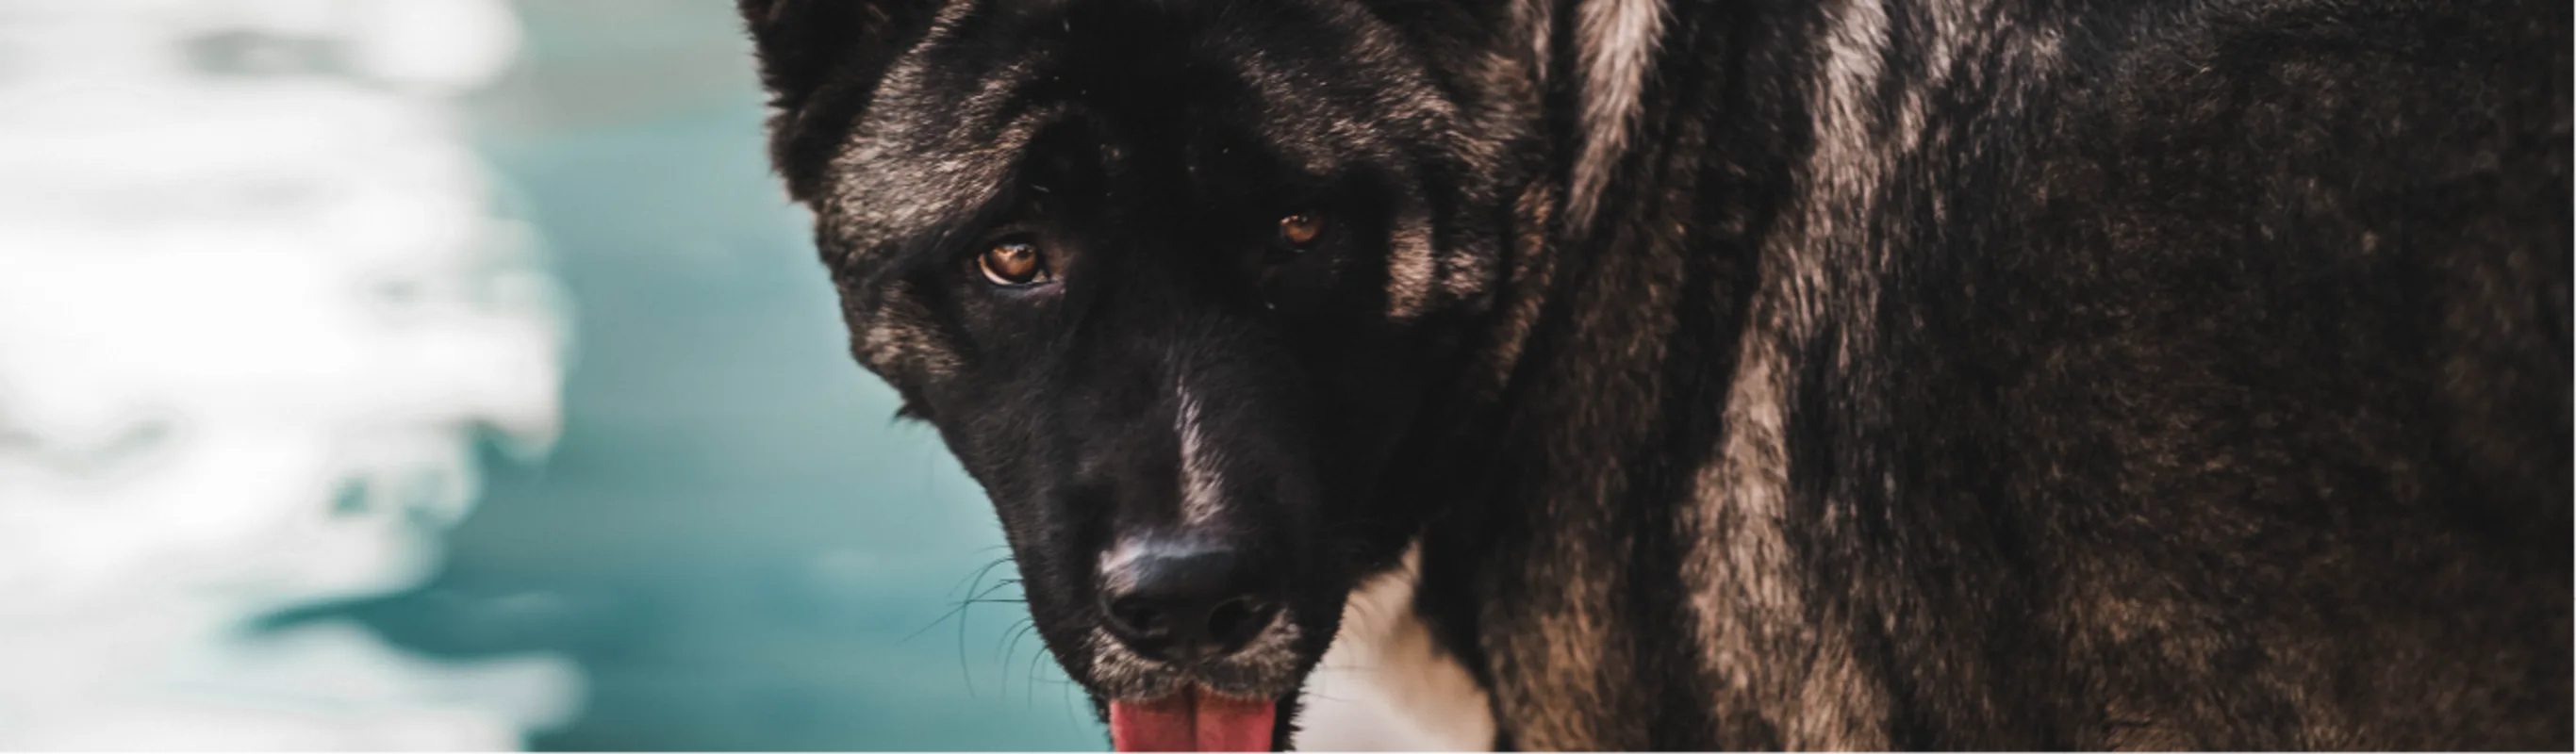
[(1177, 281)]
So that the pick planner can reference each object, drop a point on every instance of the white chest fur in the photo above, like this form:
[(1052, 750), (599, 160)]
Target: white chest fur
[(1386, 685)]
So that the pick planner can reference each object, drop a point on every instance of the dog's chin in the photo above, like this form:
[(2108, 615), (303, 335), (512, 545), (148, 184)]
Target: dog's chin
[(1231, 704)]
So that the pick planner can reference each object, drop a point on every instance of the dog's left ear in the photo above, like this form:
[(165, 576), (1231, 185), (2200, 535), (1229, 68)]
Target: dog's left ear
[(821, 61)]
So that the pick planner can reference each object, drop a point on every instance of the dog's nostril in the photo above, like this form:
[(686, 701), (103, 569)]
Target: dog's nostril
[(1135, 618), (1234, 621)]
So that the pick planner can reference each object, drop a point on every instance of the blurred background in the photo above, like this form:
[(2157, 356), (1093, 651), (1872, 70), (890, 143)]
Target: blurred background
[(397, 374)]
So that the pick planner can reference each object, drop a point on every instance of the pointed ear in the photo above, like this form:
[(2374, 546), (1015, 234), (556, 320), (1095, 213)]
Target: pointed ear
[(821, 61)]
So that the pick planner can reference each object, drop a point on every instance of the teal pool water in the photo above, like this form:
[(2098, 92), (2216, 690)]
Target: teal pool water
[(733, 538)]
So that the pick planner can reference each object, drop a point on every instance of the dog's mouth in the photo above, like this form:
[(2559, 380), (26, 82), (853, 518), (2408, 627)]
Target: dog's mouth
[(1193, 719), (1229, 703)]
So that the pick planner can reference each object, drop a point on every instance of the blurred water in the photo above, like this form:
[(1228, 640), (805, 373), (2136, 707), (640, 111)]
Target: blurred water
[(256, 310), (732, 538)]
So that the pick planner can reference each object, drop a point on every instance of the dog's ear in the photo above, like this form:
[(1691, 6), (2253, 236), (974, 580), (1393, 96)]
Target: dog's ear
[(821, 61)]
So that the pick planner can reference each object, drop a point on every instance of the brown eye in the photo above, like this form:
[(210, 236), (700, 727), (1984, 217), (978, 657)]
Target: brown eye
[(1013, 263), (1300, 229)]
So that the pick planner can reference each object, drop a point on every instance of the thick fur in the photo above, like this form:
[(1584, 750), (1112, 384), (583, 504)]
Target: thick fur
[(1764, 373)]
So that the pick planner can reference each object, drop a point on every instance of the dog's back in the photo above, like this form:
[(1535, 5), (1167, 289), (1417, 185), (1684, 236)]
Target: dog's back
[(2090, 377)]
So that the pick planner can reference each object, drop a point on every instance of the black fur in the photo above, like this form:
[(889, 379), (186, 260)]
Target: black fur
[(1932, 374)]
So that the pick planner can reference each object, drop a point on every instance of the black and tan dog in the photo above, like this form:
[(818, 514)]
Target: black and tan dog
[(1997, 374)]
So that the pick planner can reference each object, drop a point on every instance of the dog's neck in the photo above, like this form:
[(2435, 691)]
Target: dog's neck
[(1388, 684)]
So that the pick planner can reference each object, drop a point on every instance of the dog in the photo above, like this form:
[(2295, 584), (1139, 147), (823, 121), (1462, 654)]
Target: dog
[(1673, 374)]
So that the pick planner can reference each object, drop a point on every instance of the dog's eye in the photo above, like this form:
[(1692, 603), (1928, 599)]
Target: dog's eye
[(1014, 263), (1301, 228)]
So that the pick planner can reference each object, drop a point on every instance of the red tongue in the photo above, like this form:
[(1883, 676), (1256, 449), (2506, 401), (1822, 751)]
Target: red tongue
[(1191, 720)]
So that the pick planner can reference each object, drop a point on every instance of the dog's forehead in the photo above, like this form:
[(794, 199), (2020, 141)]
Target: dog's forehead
[(955, 115)]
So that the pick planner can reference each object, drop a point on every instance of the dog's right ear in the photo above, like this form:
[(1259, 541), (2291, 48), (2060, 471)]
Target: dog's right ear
[(821, 61)]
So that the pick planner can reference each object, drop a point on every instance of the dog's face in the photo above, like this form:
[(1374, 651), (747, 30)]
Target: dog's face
[(1176, 282)]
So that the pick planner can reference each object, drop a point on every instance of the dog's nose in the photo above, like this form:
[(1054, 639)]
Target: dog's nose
[(1186, 604)]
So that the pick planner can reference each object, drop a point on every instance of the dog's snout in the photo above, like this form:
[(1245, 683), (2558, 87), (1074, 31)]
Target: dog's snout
[(1185, 605)]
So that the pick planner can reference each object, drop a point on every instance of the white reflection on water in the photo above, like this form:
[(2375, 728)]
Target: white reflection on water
[(255, 309)]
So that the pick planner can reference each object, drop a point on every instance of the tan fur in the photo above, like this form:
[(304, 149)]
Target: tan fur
[(1618, 40)]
